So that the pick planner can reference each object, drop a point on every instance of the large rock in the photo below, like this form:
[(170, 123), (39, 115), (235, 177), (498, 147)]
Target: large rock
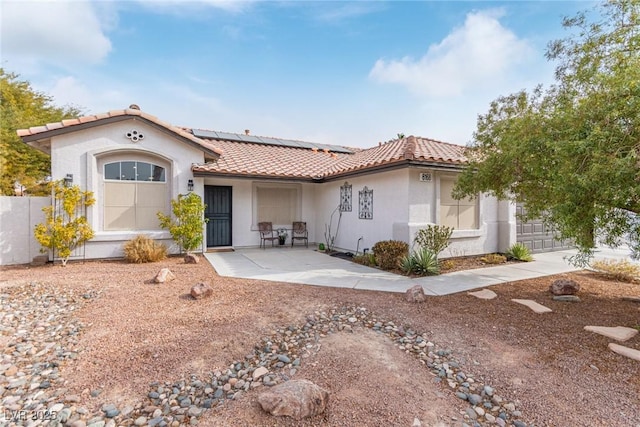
[(296, 398), (201, 290), (564, 287), (191, 259), (164, 275), (415, 294)]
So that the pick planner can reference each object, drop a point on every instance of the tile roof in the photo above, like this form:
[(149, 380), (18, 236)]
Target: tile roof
[(68, 125), (270, 159), (251, 160)]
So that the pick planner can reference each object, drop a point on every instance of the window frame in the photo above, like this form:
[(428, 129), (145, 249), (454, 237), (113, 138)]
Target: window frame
[(163, 202), (297, 203), (458, 204)]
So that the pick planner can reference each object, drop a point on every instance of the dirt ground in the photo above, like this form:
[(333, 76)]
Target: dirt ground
[(559, 374)]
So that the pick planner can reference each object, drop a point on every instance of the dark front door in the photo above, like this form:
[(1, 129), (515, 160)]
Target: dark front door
[(218, 212)]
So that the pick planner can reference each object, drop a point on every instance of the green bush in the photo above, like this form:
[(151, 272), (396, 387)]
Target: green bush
[(494, 259), (186, 230), (623, 270), (142, 249), (434, 238), (519, 252), (388, 253)]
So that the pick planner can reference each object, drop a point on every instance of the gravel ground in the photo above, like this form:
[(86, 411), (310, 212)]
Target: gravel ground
[(94, 341)]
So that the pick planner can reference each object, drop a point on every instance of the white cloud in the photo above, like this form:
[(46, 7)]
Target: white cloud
[(68, 90), (54, 32), (478, 54), (180, 7)]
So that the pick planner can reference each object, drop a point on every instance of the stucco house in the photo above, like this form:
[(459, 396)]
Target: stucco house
[(135, 164)]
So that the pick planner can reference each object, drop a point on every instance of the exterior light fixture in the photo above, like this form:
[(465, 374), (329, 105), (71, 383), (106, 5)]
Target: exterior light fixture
[(68, 180), (190, 185)]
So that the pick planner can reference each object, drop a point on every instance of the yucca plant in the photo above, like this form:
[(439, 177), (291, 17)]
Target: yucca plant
[(408, 264), (519, 252), (426, 262)]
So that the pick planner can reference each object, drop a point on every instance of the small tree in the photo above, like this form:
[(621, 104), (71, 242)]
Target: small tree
[(186, 230), (65, 227)]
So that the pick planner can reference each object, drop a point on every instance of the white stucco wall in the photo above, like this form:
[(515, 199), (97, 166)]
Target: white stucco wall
[(496, 224), (402, 206), (390, 210), (18, 217), (83, 152), (243, 225)]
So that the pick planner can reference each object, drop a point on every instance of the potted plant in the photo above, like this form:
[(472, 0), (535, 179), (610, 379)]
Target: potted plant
[(282, 235)]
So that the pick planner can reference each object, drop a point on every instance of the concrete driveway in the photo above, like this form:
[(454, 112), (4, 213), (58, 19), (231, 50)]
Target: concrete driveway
[(307, 266)]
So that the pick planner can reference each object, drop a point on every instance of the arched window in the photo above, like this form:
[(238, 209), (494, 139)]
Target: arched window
[(134, 192), (134, 171)]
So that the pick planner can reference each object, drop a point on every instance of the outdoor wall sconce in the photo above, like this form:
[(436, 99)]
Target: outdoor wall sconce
[(68, 180), (190, 185)]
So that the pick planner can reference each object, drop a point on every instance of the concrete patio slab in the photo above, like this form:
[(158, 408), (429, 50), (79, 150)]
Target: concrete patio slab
[(536, 307), (619, 333), (308, 266), (631, 353)]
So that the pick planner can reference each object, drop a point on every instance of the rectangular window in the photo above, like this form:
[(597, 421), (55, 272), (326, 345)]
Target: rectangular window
[(133, 206), (278, 205), (459, 214)]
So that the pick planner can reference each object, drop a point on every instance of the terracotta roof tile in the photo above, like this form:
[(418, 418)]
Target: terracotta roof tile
[(242, 158), (251, 159), (70, 123)]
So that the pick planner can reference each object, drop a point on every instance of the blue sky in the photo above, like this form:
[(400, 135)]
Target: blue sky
[(351, 73)]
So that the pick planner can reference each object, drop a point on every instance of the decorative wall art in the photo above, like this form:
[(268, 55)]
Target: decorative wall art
[(345, 197), (366, 204)]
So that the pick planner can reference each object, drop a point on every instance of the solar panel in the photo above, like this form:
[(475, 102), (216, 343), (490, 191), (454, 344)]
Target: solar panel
[(211, 134)]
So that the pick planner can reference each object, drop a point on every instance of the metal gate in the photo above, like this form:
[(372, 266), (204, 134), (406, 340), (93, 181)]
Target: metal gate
[(535, 235)]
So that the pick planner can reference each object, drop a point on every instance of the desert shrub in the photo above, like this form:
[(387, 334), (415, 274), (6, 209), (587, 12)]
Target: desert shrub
[(186, 229), (622, 270), (426, 262), (142, 249), (388, 253), (519, 252), (66, 227), (365, 259), (408, 264), (422, 262), (447, 264), (493, 259), (434, 238)]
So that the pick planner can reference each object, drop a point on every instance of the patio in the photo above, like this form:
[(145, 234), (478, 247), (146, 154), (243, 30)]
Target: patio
[(308, 266)]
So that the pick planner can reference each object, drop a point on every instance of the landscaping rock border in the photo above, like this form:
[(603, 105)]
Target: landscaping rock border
[(44, 335)]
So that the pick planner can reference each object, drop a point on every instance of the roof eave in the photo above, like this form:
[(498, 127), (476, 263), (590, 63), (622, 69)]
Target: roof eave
[(210, 153), (217, 174)]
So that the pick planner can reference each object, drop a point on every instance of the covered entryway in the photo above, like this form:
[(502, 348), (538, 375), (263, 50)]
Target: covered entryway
[(218, 213), (536, 236)]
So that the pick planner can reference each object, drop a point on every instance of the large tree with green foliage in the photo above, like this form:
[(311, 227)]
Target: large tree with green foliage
[(570, 152), (21, 107)]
